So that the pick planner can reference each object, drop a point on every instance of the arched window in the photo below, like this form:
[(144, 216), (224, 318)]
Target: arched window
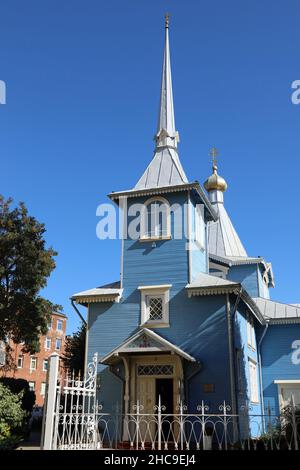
[(155, 221)]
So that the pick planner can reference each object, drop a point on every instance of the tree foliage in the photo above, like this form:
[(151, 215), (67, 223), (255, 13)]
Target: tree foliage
[(20, 385), (25, 265), (75, 351), (11, 412)]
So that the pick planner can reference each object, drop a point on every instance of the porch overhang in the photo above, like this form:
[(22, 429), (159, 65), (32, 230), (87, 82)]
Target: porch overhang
[(206, 284), (145, 341), (97, 295)]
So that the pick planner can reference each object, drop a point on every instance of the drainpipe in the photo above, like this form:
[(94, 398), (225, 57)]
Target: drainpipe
[(78, 313), (260, 372), (231, 343)]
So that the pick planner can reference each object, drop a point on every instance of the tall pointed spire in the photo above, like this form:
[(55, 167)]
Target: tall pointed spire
[(165, 168), (166, 133)]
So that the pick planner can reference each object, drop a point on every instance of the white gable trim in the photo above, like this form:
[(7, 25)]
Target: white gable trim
[(165, 346)]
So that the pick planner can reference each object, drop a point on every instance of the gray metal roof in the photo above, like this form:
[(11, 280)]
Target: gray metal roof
[(222, 237), (206, 281), (272, 310), (97, 291), (164, 170)]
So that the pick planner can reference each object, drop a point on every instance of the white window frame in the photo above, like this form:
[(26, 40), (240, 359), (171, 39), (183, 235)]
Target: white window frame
[(200, 226), (33, 359), (31, 388), (251, 332), (22, 361), (145, 231), (148, 292), (50, 324), (56, 348), (47, 348), (43, 389), (45, 361), (59, 322), (253, 380)]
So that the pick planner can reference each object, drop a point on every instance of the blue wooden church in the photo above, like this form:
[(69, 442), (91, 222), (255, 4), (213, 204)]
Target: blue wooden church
[(191, 317)]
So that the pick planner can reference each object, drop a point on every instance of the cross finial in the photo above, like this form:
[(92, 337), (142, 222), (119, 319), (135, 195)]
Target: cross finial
[(167, 16), (213, 153)]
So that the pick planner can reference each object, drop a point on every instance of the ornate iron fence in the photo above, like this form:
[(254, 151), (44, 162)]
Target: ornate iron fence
[(78, 422)]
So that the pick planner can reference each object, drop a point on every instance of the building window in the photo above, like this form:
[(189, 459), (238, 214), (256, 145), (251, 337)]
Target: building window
[(58, 344), (253, 382), (250, 332), (59, 325), (32, 386), (20, 362), (200, 225), (155, 305), (47, 343), (43, 388), (33, 363), (155, 219), (50, 324), (45, 365)]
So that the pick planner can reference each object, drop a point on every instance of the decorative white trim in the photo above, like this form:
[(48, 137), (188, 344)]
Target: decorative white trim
[(162, 291), (145, 230), (288, 381), (166, 346), (156, 287), (194, 292)]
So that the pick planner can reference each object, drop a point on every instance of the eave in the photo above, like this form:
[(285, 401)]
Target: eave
[(97, 295), (195, 187)]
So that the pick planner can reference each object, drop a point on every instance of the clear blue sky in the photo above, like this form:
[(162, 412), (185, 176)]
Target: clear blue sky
[(83, 82)]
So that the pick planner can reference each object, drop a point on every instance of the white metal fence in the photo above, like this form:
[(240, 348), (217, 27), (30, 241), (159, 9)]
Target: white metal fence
[(74, 420)]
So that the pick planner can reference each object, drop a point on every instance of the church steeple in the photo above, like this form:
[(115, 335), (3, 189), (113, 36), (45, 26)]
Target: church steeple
[(165, 168), (166, 134)]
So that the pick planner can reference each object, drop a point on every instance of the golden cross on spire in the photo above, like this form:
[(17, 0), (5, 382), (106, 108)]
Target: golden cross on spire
[(213, 153), (167, 16)]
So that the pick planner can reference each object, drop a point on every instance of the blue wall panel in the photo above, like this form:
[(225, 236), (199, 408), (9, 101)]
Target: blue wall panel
[(277, 361)]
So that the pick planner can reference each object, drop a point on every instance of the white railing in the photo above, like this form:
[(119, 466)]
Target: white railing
[(78, 422)]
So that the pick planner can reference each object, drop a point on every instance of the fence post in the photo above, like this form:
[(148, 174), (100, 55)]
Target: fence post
[(137, 424), (203, 425), (225, 425), (159, 422), (50, 402), (181, 426), (294, 423)]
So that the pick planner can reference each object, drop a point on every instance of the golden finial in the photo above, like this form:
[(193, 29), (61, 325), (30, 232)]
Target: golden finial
[(213, 153), (215, 181), (167, 16)]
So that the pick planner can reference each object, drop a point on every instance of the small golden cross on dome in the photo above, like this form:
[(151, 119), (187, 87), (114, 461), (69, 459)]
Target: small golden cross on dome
[(213, 153)]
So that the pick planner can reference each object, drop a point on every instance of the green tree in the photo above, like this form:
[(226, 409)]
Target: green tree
[(74, 354), (25, 265), (11, 412)]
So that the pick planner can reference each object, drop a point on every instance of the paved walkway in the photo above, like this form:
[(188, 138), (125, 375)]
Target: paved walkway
[(31, 443)]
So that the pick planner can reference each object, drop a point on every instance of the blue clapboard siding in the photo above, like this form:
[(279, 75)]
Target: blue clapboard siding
[(247, 275), (197, 325), (166, 263), (277, 360)]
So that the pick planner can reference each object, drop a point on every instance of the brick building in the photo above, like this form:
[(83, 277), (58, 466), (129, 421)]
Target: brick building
[(33, 367)]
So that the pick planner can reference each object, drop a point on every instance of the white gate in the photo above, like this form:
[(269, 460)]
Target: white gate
[(71, 409)]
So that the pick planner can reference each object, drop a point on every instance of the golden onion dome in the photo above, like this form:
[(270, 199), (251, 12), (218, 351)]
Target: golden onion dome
[(215, 181)]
